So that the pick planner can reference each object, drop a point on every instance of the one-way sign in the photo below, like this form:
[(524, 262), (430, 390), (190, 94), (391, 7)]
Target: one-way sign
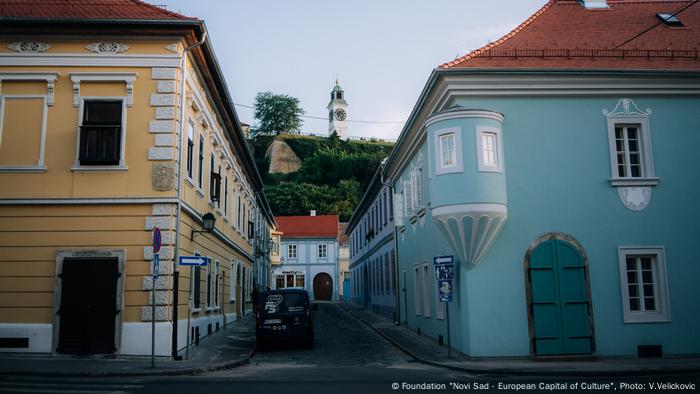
[(194, 260)]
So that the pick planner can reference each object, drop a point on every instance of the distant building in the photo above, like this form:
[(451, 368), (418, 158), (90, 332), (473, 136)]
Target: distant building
[(558, 166), (309, 255), (344, 262), (337, 112), (372, 257)]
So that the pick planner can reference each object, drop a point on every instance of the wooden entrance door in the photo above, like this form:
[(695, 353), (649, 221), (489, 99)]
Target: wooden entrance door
[(323, 287), (88, 306), (559, 309)]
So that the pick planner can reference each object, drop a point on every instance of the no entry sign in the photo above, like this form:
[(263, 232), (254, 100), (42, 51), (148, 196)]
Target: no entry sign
[(156, 240)]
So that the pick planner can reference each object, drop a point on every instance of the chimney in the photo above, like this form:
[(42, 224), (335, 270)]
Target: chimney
[(313, 212), (594, 4)]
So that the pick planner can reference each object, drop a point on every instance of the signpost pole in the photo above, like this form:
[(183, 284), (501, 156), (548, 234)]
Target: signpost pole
[(156, 264), (447, 316)]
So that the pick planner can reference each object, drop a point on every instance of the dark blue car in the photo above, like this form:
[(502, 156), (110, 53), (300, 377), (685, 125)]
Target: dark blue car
[(284, 315)]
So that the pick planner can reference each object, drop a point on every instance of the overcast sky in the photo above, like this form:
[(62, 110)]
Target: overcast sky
[(382, 50)]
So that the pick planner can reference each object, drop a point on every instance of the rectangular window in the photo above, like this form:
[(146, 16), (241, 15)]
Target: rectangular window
[(292, 251), (488, 146), (387, 275), (426, 290), (644, 285), (419, 187), (200, 163), (208, 287), (416, 289), (190, 149), (393, 272), (226, 197), (279, 282), (447, 150), (289, 281), (629, 164), (100, 133), (299, 280), (489, 149), (216, 284), (322, 251)]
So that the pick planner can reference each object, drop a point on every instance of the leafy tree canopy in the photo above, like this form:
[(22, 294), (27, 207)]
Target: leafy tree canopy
[(277, 114)]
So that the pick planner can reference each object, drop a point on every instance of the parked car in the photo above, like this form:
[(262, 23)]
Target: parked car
[(285, 315)]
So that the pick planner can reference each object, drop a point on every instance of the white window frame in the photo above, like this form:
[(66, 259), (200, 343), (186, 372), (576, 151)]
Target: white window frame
[(324, 248), (426, 289), (648, 177), (417, 302), (662, 299), (458, 166), (192, 285), (122, 145), (217, 288), (482, 166), (208, 299), (40, 165), (289, 251), (232, 279), (195, 152)]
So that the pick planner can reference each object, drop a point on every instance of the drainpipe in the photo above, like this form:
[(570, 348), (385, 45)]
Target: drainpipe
[(176, 270)]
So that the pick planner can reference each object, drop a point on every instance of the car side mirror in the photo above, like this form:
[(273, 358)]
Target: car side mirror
[(314, 307)]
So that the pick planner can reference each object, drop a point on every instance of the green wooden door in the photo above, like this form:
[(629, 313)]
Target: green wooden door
[(559, 301)]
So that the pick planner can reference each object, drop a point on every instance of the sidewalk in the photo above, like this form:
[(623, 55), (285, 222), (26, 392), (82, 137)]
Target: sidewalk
[(229, 347), (427, 350)]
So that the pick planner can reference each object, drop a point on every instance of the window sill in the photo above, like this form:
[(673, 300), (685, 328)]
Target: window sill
[(421, 212), (200, 191), (413, 219), (196, 310), (190, 182), (98, 168), (637, 318), (209, 309), (226, 218), (634, 181), (11, 168), (211, 204), (402, 229)]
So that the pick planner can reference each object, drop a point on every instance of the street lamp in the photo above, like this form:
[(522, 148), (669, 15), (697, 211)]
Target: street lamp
[(208, 221)]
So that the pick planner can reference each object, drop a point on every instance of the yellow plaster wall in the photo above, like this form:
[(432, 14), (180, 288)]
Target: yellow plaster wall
[(61, 140), (31, 236), (20, 136)]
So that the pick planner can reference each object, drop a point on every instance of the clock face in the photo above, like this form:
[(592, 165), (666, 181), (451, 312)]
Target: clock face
[(340, 114)]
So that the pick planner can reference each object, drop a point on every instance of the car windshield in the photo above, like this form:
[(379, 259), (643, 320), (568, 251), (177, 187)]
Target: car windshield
[(281, 303)]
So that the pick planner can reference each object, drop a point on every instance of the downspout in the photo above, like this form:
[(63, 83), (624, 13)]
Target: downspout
[(176, 270)]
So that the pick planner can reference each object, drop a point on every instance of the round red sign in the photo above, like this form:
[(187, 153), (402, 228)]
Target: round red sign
[(156, 240)]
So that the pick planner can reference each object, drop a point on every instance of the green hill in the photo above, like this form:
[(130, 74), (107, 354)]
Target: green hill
[(332, 178)]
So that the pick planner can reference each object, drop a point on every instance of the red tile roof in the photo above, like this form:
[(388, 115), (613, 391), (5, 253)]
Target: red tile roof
[(323, 226), (564, 34), (86, 9)]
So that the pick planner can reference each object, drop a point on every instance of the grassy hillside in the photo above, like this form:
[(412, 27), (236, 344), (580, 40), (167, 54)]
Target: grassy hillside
[(331, 180)]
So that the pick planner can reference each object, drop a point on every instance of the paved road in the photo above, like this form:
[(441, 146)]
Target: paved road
[(348, 357)]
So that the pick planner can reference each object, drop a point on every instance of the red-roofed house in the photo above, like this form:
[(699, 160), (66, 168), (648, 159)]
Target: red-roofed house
[(309, 255), (556, 168)]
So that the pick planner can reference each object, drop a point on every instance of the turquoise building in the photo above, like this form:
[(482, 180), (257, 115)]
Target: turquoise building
[(558, 166)]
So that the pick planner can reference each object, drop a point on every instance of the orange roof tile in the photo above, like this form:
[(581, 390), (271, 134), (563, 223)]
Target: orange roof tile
[(86, 9), (564, 34), (322, 226)]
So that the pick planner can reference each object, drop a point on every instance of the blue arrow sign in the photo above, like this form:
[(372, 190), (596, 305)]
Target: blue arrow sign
[(194, 260)]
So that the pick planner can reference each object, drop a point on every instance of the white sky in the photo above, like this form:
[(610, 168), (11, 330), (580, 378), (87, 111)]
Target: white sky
[(382, 50)]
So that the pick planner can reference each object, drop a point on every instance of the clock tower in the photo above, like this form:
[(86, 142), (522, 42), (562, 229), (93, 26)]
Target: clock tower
[(337, 112)]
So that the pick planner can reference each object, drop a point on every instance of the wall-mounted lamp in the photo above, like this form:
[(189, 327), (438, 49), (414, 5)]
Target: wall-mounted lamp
[(208, 221)]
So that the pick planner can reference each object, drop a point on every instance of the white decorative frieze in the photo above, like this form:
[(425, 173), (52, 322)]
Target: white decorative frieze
[(635, 198), (107, 47), (127, 78), (29, 46), (626, 107)]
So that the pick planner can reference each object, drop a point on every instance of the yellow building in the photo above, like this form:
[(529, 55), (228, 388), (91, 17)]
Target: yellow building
[(95, 116)]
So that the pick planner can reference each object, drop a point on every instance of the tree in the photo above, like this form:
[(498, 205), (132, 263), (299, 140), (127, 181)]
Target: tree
[(277, 114)]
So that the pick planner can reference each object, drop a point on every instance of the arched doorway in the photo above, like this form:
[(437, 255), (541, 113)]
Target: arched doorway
[(323, 287), (558, 297)]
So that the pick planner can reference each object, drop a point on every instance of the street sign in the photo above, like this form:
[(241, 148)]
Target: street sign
[(156, 240), (445, 287), (193, 260), (156, 264), (443, 260)]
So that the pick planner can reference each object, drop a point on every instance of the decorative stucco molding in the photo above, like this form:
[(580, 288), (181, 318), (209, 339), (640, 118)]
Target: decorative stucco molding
[(173, 47), (127, 78), (635, 198), (626, 107), (470, 229), (108, 47), (29, 46), (49, 77)]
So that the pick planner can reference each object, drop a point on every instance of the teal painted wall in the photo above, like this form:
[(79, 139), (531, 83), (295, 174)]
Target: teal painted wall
[(557, 168)]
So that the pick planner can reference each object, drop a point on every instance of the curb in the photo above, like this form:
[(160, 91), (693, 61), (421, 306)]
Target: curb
[(161, 372), (520, 372)]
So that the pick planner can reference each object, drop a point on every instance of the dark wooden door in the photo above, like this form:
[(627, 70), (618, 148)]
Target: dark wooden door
[(88, 306), (323, 287)]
